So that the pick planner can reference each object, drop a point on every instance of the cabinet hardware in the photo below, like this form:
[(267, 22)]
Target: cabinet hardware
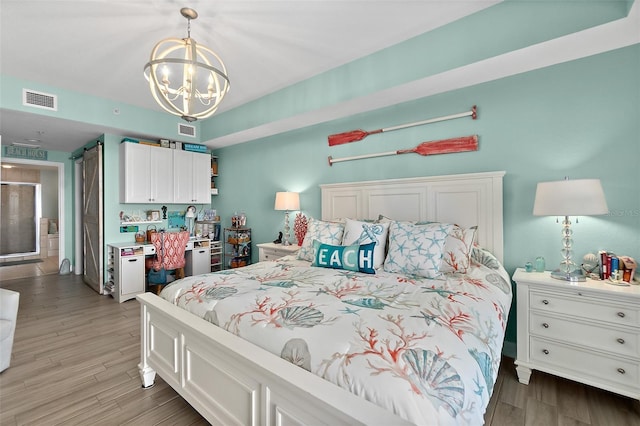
[(545, 351), (545, 302), (621, 371), (621, 314), (545, 325), (620, 340)]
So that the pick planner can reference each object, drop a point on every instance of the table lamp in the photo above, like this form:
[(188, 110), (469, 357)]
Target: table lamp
[(580, 197), (287, 201)]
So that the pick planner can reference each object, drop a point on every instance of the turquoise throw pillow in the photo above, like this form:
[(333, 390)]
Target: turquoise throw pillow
[(352, 258)]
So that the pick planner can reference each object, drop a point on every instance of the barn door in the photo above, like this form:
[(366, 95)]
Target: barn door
[(92, 218)]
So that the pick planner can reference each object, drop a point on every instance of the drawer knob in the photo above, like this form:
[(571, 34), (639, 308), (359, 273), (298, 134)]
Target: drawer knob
[(545, 302), (621, 314), (545, 325), (621, 371), (620, 340), (545, 351)]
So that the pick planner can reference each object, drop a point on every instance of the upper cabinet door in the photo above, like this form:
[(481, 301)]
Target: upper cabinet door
[(192, 176), (160, 172), (145, 174), (134, 173), (202, 178)]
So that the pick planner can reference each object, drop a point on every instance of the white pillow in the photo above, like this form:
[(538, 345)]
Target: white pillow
[(360, 233), (416, 249), (457, 249), (324, 232)]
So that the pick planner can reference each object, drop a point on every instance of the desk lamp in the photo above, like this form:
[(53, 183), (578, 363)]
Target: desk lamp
[(287, 201), (189, 215), (580, 197)]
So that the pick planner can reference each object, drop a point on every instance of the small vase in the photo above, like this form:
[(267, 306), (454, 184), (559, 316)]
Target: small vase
[(540, 264)]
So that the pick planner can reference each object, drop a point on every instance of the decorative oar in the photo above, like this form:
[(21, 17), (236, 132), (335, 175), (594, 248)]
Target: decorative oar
[(358, 135), (443, 146)]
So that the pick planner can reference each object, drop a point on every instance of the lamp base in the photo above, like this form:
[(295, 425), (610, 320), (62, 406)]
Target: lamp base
[(573, 276)]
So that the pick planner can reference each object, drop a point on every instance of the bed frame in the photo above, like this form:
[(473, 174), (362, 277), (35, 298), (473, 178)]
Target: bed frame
[(233, 382)]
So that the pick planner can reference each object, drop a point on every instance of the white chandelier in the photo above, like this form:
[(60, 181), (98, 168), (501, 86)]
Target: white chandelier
[(186, 79)]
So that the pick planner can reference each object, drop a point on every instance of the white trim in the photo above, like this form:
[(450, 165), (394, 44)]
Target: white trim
[(77, 210)]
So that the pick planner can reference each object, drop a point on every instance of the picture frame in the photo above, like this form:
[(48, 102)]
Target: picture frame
[(154, 215)]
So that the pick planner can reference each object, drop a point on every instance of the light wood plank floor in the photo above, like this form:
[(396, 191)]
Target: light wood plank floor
[(48, 266), (75, 363)]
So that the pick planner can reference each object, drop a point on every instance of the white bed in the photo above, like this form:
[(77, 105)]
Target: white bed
[(231, 381)]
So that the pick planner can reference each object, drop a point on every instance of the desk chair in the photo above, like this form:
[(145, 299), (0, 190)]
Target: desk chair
[(169, 253)]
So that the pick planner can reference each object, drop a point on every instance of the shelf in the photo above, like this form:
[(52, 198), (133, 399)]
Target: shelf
[(142, 222)]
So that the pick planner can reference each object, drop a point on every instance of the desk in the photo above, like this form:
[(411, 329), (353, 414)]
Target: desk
[(126, 272)]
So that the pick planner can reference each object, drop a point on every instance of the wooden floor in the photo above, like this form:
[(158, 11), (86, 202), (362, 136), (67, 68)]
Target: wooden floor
[(48, 266), (75, 360)]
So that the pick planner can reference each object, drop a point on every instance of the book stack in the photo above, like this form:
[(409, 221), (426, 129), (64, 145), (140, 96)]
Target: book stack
[(616, 268)]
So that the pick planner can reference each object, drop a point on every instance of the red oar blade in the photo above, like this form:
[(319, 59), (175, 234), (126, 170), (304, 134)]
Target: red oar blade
[(445, 146), (352, 136)]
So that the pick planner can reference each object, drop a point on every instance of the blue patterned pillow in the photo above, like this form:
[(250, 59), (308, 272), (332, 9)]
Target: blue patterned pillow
[(361, 232), (325, 232), (352, 258), (416, 249)]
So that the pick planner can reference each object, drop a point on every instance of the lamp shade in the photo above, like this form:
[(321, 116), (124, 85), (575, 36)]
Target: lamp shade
[(191, 212), (287, 201), (580, 197)]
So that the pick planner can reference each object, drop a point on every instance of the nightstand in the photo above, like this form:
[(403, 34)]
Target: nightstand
[(584, 331), (271, 251)]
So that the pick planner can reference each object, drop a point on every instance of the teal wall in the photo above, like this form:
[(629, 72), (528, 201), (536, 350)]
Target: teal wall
[(577, 119), (74, 106), (501, 28)]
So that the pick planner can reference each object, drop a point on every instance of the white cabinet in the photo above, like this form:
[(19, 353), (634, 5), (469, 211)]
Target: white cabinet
[(198, 258), (584, 331), (192, 177), (125, 271), (143, 174), (272, 251), (216, 255)]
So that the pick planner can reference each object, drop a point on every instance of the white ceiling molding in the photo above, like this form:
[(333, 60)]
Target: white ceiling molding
[(610, 36)]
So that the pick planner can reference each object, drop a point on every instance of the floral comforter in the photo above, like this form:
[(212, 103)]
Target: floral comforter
[(426, 349)]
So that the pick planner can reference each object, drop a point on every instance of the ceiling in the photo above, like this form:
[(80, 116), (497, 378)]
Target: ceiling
[(99, 47)]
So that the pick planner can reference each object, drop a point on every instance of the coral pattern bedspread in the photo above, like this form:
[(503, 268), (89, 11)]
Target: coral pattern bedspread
[(426, 349)]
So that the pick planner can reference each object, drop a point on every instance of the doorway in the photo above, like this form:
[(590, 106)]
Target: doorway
[(48, 230)]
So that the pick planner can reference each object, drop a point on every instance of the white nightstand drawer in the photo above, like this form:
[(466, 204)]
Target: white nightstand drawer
[(590, 366), (268, 254), (270, 251), (597, 310), (613, 339)]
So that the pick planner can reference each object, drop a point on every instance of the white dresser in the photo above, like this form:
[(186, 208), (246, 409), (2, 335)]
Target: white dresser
[(587, 331)]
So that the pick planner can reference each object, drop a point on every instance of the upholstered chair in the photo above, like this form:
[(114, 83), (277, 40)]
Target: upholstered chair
[(8, 315), (170, 248)]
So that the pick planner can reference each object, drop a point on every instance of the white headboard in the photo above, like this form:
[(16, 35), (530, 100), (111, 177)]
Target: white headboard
[(466, 199)]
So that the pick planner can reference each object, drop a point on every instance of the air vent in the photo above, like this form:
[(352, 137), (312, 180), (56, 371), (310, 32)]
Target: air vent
[(186, 130), (39, 100)]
